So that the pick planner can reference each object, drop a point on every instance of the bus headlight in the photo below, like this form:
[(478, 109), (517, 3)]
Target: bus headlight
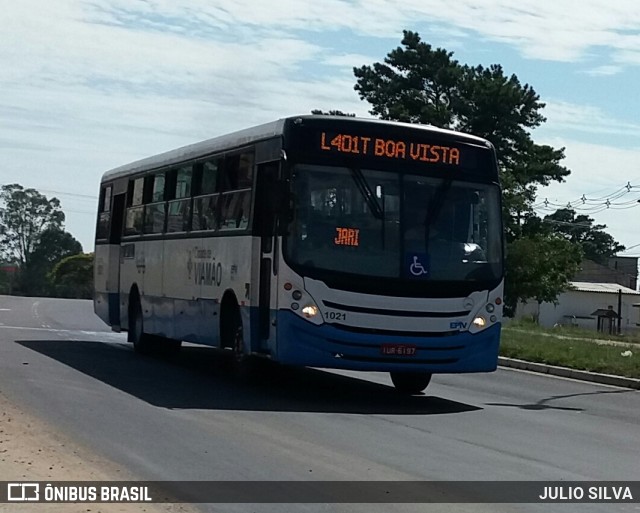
[(479, 322), (310, 311)]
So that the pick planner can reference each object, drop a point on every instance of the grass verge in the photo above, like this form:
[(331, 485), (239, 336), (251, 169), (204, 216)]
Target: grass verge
[(545, 346)]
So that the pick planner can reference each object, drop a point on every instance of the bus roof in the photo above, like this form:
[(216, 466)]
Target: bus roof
[(252, 135)]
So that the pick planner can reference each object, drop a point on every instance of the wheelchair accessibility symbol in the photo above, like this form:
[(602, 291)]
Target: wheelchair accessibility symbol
[(417, 265)]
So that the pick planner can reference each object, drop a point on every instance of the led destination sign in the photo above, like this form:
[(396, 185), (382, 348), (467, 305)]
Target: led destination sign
[(389, 148)]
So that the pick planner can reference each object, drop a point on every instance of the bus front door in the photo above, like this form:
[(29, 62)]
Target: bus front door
[(265, 222)]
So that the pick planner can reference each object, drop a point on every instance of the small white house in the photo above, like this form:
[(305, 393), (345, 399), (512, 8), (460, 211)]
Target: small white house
[(588, 305)]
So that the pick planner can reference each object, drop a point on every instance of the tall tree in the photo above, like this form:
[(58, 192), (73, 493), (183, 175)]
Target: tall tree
[(24, 215), (596, 244), (419, 84), (32, 235)]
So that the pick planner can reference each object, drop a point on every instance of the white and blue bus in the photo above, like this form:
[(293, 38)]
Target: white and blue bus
[(320, 241)]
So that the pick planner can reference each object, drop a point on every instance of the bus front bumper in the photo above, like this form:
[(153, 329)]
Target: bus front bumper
[(303, 343)]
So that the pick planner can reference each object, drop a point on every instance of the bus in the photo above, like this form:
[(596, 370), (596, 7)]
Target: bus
[(320, 241)]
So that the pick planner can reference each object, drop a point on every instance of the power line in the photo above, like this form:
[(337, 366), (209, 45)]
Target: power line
[(594, 205)]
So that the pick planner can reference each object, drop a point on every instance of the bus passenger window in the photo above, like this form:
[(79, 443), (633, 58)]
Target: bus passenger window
[(209, 181), (237, 172), (104, 216), (136, 192), (178, 216), (234, 212), (154, 218), (245, 171), (134, 221), (157, 191), (183, 183), (205, 212)]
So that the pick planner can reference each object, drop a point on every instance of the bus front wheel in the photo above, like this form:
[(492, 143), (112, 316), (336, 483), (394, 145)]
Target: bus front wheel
[(410, 383)]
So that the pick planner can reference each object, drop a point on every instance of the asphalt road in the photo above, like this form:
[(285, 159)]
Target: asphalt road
[(190, 419)]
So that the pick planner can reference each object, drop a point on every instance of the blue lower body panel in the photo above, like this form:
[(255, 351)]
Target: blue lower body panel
[(303, 343)]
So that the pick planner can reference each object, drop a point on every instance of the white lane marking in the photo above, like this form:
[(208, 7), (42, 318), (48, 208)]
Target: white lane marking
[(82, 332), (5, 309)]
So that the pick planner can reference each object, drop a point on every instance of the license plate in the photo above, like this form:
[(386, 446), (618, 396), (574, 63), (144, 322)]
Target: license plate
[(398, 349)]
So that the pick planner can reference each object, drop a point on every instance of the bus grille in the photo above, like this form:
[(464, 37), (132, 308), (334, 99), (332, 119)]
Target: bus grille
[(395, 333)]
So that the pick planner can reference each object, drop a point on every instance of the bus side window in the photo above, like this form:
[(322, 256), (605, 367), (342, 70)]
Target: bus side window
[(234, 212), (155, 209), (237, 172), (235, 202), (245, 171), (104, 216), (205, 212), (135, 209), (205, 187), (209, 178), (179, 204)]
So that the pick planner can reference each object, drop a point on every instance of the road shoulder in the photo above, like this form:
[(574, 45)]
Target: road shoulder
[(566, 372), (32, 450)]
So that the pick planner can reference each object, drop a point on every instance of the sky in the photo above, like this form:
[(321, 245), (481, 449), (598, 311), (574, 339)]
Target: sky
[(88, 85)]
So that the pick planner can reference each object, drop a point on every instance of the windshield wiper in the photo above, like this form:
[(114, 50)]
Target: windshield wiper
[(367, 193)]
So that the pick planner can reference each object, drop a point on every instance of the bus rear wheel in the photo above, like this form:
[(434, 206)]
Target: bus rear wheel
[(410, 383), (142, 343)]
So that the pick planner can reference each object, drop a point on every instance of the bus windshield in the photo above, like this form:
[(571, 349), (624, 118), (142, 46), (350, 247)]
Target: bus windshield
[(394, 225)]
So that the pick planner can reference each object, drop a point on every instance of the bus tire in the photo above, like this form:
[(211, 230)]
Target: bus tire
[(243, 365), (239, 354), (142, 342), (410, 383)]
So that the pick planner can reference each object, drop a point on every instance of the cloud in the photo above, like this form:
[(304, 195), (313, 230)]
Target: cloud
[(348, 60), (90, 84), (563, 116), (604, 70), (599, 172)]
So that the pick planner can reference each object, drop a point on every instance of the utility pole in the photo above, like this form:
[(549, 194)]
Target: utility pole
[(619, 311)]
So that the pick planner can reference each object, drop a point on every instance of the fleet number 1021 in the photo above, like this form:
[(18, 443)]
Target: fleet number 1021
[(335, 316)]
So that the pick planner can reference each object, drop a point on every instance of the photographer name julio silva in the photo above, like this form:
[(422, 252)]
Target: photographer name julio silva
[(597, 493)]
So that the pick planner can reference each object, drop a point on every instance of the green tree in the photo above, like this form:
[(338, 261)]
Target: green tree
[(539, 267), (24, 215), (73, 276), (32, 235), (596, 244), (419, 84), (54, 245)]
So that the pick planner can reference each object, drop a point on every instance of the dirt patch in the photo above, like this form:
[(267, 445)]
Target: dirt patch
[(32, 450)]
